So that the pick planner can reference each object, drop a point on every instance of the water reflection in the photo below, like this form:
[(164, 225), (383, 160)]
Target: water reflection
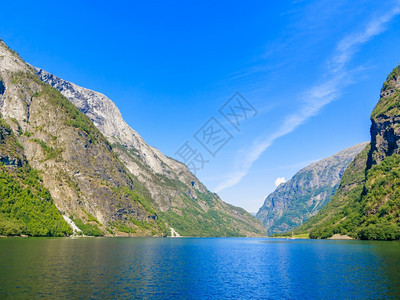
[(192, 268), (388, 253)]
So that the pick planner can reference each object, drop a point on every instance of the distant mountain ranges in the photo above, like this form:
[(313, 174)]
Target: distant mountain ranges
[(310, 189), (366, 203)]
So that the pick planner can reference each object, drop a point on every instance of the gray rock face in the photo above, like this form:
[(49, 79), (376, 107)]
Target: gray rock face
[(295, 201), (11, 106), (107, 118), (180, 198), (385, 123), (8, 155), (76, 162), (98, 169)]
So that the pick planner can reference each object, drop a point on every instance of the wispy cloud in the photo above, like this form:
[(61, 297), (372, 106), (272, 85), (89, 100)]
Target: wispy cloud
[(317, 96)]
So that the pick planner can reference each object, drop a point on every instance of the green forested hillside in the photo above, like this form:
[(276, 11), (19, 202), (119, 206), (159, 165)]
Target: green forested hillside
[(367, 203)]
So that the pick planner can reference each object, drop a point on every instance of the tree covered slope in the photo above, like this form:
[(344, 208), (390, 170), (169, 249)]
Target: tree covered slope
[(367, 203)]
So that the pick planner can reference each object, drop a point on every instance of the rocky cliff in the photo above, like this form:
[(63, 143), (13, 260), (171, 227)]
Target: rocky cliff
[(177, 195), (26, 206), (385, 121), (84, 176), (98, 170), (367, 204), (351, 188), (310, 189)]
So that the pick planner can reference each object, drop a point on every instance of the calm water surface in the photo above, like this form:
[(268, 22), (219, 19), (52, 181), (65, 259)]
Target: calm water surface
[(223, 268)]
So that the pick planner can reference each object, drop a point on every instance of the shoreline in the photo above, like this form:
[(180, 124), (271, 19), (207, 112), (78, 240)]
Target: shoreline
[(340, 237)]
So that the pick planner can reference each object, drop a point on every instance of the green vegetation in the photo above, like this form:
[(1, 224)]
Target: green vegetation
[(380, 231), (73, 117), (392, 76), (136, 226), (366, 206), (9, 49), (299, 206), (87, 228), (289, 235), (14, 120), (10, 226), (123, 227), (306, 193), (141, 224), (389, 105), (51, 108), (340, 214), (192, 222), (90, 217), (26, 207), (155, 225), (50, 152), (9, 144), (122, 192), (139, 227), (190, 219)]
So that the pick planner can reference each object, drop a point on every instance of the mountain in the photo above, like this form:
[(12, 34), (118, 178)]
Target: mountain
[(178, 196), (99, 172), (367, 205), (73, 160), (351, 188), (310, 189), (26, 207)]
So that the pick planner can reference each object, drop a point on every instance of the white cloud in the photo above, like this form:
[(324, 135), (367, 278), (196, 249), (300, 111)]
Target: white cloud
[(349, 45), (279, 181), (316, 97)]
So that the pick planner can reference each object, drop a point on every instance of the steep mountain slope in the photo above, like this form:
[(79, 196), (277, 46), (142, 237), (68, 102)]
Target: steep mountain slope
[(341, 204), (294, 202), (84, 176), (367, 204), (26, 207), (98, 170), (177, 195)]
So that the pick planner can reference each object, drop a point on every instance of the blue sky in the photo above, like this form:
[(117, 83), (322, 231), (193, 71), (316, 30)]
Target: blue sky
[(311, 69)]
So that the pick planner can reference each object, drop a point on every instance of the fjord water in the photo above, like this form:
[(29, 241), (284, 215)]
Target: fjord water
[(198, 268)]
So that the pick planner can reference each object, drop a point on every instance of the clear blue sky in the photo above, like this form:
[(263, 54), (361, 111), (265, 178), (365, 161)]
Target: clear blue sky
[(312, 69)]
